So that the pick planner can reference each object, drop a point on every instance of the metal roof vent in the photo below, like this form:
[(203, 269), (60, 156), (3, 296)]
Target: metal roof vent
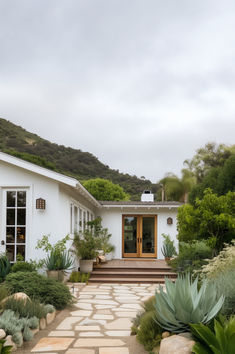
[(147, 196)]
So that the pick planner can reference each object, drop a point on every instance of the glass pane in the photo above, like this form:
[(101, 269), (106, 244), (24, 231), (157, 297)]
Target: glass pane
[(10, 216), (75, 219), (130, 234), (20, 250), (148, 240), (20, 235), (11, 199), (80, 219), (21, 215), (10, 235), (21, 199), (10, 251)]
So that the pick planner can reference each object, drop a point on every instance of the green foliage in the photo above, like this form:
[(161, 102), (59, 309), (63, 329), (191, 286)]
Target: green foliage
[(49, 308), (57, 258), (36, 286), (27, 334), (3, 292), (5, 349), (77, 277), (219, 340), (147, 330), (183, 304), (5, 267), (25, 307), (76, 163), (211, 217), (103, 189), (192, 256), (168, 249), (22, 266), (17, 338)]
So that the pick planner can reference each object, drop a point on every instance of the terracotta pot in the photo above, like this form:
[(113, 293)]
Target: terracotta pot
[(86, 266)]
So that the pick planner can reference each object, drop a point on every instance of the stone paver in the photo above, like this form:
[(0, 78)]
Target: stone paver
[(99, 322)]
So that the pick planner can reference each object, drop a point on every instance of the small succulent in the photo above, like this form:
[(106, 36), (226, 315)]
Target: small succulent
[(183, 304)]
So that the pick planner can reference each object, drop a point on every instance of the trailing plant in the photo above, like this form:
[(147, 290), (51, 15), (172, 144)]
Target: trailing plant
[(168, 248), (218, 340), (5, 267), (25, 307), (36, 286), (183, 304), (5, 349)]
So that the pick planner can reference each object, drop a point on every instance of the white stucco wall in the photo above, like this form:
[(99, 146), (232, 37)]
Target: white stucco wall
[(112, 219), (54, 220)]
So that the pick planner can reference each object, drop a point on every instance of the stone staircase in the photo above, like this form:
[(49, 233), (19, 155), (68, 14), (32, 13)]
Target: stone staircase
[(132, 271)]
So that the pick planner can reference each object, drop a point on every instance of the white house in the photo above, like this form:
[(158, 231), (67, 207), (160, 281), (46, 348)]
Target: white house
[(35, 201)]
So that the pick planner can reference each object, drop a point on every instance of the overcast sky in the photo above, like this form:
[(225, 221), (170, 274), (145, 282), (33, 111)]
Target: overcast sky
[(140, 84)]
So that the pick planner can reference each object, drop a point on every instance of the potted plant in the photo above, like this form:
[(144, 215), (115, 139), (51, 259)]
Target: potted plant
[(58, 260), (106, 247), (168, 248)]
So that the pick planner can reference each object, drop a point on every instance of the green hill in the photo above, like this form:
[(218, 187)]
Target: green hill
[(82, 165)]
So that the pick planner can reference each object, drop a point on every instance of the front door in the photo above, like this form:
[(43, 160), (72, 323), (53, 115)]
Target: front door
[(139, 235)]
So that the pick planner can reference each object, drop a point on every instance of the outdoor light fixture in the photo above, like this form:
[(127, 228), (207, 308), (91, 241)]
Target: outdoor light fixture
[(169, 221), (40, 204)]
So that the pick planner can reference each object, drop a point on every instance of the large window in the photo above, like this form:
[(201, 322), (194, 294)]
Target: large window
[(15, 224), (79, 217)]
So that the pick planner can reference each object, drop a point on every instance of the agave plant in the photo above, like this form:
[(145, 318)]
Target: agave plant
[(183, 304)]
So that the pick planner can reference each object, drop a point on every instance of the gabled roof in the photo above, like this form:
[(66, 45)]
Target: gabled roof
[(58, 177), (139, 204)]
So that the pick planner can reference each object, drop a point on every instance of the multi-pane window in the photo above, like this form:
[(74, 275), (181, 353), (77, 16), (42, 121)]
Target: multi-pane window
[(15, 224), (79, 218)]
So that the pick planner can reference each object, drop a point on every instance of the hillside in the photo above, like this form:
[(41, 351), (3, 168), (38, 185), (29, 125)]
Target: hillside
[(73, 162)]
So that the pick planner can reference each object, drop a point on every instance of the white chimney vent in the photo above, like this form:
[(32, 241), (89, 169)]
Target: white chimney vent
[(147, 196)]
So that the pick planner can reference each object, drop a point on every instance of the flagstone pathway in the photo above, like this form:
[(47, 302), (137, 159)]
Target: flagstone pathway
[(100, 323)]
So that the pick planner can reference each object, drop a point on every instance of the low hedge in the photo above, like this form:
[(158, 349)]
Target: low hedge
[(36, 286)]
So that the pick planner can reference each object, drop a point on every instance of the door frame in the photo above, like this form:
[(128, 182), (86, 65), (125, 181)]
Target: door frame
[(139, 253)]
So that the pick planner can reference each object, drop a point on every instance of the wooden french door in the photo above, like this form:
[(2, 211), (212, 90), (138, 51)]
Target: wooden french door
[(139, 236)]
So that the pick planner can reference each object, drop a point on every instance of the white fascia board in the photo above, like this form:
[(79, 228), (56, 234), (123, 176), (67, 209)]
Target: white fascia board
[(139, 206), (70, 181)]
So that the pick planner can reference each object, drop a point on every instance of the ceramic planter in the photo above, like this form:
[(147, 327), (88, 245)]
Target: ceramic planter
[(86, 266), (53, 274)]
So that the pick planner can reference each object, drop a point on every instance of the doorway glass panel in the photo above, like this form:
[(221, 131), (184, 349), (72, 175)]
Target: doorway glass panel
[(148, 235), (130, 234)]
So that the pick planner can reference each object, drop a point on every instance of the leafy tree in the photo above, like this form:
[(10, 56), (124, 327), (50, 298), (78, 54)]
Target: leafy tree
[(103, 189), (212, 218)]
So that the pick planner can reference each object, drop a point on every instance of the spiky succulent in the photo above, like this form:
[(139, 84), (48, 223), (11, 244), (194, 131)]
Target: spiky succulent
[(183, 304)]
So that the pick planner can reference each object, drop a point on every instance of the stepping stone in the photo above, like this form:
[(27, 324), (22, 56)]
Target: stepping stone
[(132, 306), (88, 321), (47, 344), (105, 307), (127, 314), (121, 309), (79, 351), (120, 323), (61, 334), (87, 328), (90, 334), (85, 296), (84, 306), (118, 333), (103, 297), (101, 302), (67, 323), (103, 317), (98, 342), (81, 313), (113, 350), (103, 312)]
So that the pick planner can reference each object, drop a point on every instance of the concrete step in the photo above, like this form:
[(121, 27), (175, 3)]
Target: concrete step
[(133, 274), (95, 279)]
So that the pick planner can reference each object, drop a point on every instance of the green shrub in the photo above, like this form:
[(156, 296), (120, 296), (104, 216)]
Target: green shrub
[(36, 286), (168, 248), (183, 304), (23, 267), (218, 340), (25, 307), (5, 267), (17, 338), (147, 330), (49, 308), (3, 292), (191, 257), (224, 261), (27, 334), (5, 350), (225, 285)]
